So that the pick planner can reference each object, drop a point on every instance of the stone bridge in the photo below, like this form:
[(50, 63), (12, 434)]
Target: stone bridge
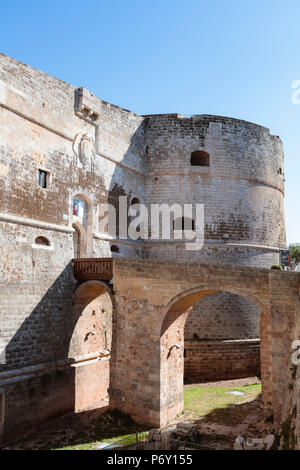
[(152, 300)]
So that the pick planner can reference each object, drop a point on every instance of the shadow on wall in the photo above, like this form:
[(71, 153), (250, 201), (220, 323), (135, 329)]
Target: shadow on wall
[(38, 382), (33, 383), (96, 233), (223, 316), (58, 360)]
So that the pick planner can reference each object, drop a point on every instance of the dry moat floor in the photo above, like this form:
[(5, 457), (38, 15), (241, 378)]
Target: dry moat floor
[(221, 410)]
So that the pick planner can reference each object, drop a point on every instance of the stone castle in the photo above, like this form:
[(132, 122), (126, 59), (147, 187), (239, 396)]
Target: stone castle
[(130, 317)]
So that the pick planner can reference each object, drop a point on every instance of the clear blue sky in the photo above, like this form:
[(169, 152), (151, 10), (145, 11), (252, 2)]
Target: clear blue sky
[(230, 57)]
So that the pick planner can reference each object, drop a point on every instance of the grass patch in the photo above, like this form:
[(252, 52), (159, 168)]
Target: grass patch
[(86, 446), (86, 430), (215, 403), (82, 431)]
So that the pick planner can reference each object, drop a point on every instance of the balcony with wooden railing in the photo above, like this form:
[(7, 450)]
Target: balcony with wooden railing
[(86, 269)]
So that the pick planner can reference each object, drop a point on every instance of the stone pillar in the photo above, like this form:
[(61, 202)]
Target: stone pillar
[(283, 302), (172, 366), (135, 369)]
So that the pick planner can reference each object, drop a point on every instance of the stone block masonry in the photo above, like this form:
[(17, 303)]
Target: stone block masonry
[(221, 360), (155, 297), (38, 132), (69, 343), (222, 316), (221, 339), (241, 187)]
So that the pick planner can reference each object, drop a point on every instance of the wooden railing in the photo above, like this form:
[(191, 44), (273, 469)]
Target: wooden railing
[(85, 269)]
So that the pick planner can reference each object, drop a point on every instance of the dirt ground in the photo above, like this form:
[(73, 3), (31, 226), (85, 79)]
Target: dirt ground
[(226, 383), (220, 416), (220, 419)]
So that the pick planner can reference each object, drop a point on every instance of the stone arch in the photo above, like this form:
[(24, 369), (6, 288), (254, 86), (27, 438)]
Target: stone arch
[(172, 346), (84, 224), (222, 339), (90, 344), (223, 316), (187, 298)]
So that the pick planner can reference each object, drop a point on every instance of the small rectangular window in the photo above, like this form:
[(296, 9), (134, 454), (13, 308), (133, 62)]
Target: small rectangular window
[(43, 177)]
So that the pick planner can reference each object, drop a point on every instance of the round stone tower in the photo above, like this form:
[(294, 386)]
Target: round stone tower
[(235, 169)]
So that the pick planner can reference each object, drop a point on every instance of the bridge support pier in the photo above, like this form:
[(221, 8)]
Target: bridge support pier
[(152, 301)]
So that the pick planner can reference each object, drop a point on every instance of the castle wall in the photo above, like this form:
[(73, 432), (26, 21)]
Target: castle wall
[(221, 360), (242, 189), (39, 123), (223, 316), (242, 193), (38, 126), (98, 152), (221, 339)]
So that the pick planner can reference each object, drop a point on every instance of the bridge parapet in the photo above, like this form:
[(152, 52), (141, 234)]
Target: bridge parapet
[(87, 269)]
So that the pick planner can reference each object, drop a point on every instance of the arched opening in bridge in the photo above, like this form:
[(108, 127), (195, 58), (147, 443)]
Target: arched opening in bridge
[(221, 345), (221, 339), (90, 344)]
